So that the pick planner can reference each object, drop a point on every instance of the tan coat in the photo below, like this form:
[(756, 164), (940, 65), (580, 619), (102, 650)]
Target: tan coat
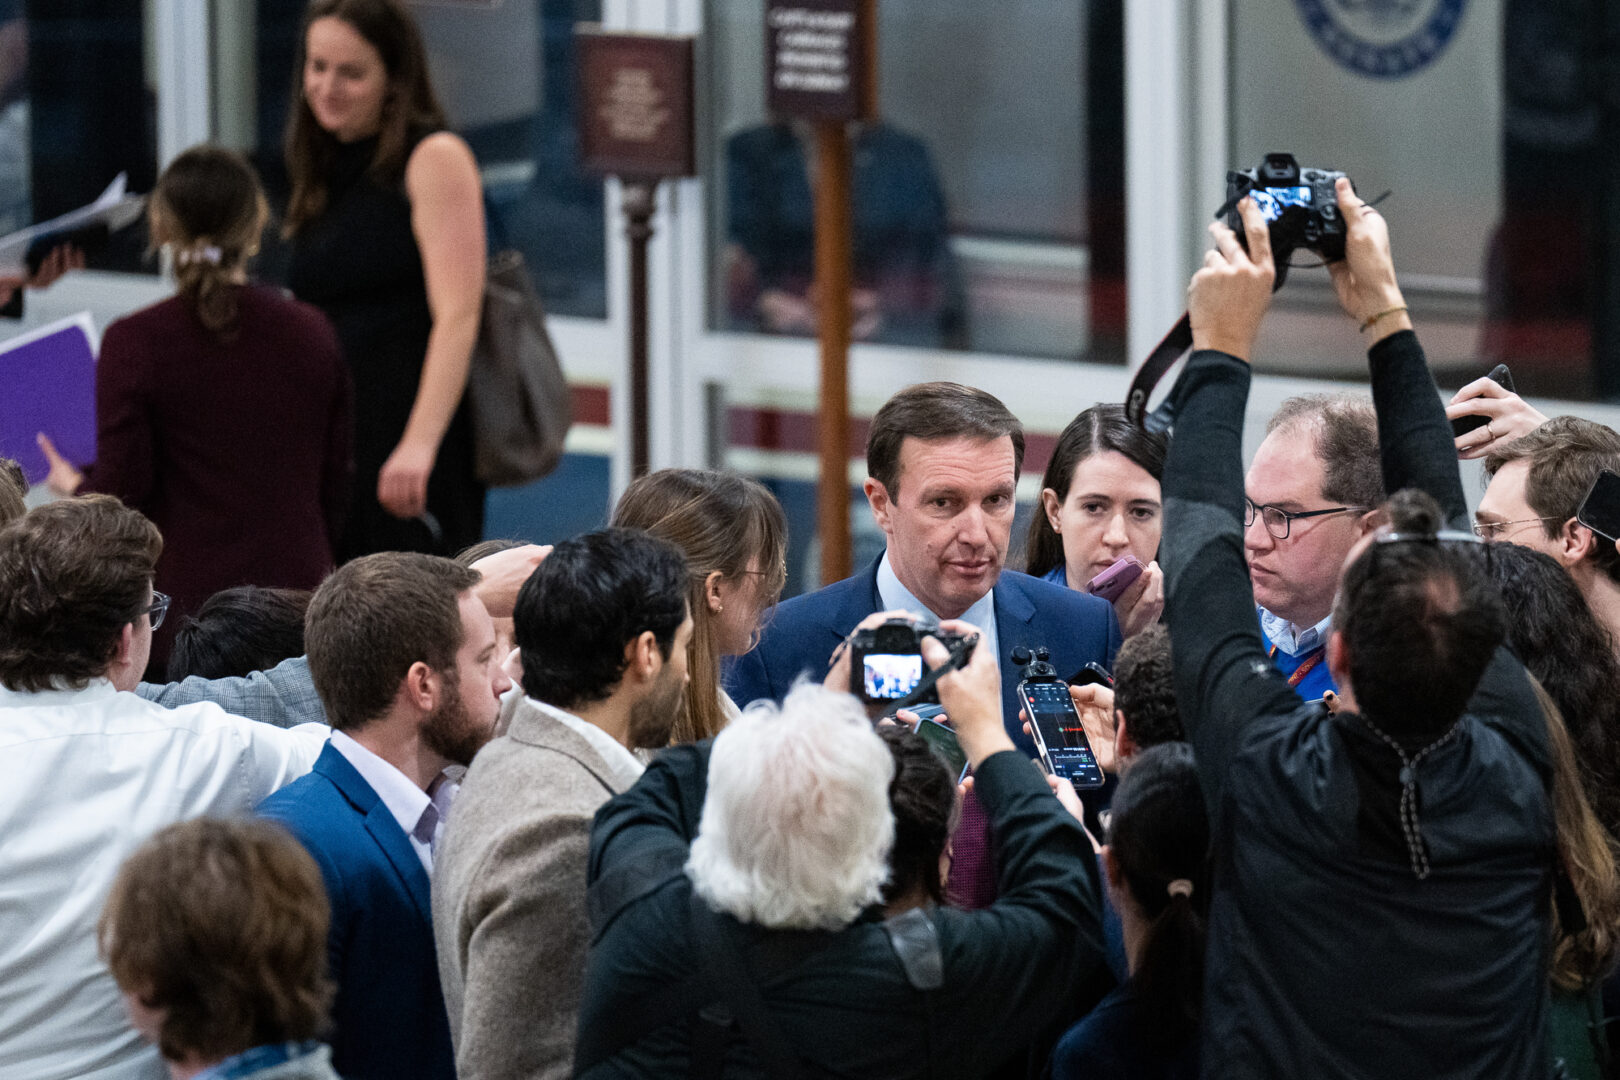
[(509, 898)]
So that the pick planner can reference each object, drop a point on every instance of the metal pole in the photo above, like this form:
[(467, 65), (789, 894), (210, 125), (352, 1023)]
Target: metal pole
[(833, 286), (639, 202)]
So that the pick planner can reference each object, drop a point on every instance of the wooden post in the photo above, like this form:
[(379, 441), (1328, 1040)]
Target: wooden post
[(833, 274), (639, 201)]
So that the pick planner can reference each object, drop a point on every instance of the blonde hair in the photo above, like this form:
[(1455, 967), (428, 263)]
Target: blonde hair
[(722, 522)]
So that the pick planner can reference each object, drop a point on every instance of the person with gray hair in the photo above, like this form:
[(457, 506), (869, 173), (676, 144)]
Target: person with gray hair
[(744, 878), (1309, 496)]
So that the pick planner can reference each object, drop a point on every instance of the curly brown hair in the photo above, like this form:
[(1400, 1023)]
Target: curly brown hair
[(222, 926), (72, 574), (13, 486)]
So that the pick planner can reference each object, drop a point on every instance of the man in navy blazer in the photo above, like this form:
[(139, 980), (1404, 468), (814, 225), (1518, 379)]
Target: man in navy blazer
[(402, 651), (943, 462)]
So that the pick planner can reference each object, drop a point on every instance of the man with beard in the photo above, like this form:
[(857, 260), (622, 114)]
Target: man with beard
[(602, 629), (402, 652)]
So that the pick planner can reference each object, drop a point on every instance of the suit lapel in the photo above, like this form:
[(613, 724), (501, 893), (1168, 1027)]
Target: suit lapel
[(381, 824), (1015, 614)]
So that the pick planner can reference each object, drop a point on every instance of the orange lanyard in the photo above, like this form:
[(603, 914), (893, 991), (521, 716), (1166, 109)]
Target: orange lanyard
[(1304, 668)]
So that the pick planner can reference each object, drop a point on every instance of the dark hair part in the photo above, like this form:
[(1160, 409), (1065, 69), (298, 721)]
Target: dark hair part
[(1097, 430), (592, 596), (1566, 454), (1571, 653), (222, 925), (1158, 833), (922, 796), (721, 521), (1420, 620), (1145, 689), (239, 631), (13, 490), (73, 574), (484, 549), (933, 411), (1345, 427), (209, 206), (409, 106), (373, 619)]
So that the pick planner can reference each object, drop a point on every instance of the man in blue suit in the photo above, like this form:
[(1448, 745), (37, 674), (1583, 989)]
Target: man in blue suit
[(943, 462), (403, 654)]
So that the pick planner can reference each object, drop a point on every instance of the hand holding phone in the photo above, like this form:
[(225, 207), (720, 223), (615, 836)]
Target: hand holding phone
[(1060, 734), (1112, 582)]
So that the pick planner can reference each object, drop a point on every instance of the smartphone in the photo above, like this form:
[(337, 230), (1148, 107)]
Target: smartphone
[(1092, 673), (1473, 422), (1112, 582), (1059, 736), (942, 740), (1600, 510)]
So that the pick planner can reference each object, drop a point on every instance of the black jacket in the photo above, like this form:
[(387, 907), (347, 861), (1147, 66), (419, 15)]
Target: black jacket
[(1328, 958), (931, 993)]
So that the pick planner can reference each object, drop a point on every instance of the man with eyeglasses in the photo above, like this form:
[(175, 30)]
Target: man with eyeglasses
[(1537, 484), (1309, 492), (92, 771)]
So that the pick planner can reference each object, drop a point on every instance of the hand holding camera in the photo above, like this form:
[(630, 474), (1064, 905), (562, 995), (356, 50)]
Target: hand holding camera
[(1365, 277), (971, 694), (1229, 295)]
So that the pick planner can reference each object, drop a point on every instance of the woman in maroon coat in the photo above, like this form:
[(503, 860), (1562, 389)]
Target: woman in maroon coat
[(223, 412)]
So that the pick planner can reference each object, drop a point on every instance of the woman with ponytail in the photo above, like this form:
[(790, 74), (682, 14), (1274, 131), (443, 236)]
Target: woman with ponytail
[(1156, 865), (222, 413)]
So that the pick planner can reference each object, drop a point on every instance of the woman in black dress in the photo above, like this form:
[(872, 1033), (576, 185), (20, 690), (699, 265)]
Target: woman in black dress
[(387, 228)]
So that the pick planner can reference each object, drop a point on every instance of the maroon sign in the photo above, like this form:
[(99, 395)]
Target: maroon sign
[(636, 104), (815, 59)]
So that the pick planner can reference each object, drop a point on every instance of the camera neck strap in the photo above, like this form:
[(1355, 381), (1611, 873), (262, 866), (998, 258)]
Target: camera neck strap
[(926, 683), (1153, 369)]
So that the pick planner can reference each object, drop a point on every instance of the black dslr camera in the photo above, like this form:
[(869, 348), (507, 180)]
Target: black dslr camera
[(1300, 204), (886, 663)]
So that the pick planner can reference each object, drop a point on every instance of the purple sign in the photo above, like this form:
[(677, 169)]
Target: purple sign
[(48, 383)]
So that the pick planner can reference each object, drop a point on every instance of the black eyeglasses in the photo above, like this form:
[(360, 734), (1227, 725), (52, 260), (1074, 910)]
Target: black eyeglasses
[(158, 608), (1279, 521)]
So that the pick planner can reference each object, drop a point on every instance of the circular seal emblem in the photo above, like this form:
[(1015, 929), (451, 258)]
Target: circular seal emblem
[(1383, 39)]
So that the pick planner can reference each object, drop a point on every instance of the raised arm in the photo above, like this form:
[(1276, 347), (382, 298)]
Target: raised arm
[(1223, 678), (1415, 443)]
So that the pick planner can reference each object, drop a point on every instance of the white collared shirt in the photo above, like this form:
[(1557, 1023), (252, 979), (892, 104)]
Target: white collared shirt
[(1291, 639), (408, 804), (896, 597), (611, 749), (90, 775)]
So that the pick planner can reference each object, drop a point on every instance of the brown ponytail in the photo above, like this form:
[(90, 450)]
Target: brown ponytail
[(209, 208)]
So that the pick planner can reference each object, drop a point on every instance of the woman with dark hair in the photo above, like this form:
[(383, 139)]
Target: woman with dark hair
[(387, 226), (223, 412), (1100, 502), (1156, 864), (922, 796), (1561, 643), (734, 536)]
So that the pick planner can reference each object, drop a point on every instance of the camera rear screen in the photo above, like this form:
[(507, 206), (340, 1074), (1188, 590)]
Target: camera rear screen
[(1271, 201), (891, 676)]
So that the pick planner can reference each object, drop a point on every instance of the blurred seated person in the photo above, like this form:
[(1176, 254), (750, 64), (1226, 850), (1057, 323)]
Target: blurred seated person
[(239, 631), (1156, 867), (907, 289), (215, 931)]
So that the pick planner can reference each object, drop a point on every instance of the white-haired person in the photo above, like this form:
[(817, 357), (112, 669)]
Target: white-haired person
[(737, 905)]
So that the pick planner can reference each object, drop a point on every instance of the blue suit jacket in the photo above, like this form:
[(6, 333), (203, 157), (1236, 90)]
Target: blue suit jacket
[(1077, 627), (389, 1018)]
